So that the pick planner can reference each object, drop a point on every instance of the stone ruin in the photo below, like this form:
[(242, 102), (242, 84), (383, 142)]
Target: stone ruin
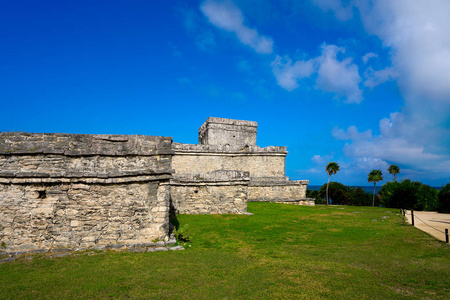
[(77, 191)]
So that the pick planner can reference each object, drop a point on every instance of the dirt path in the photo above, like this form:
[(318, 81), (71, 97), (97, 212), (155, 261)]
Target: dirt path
[(437, 223)]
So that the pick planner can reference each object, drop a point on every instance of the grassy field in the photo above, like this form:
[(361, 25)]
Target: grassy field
[(282, 251)]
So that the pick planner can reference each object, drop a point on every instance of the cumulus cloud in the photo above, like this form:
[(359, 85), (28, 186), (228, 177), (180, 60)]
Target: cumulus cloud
[(227, 16), (351, 133), (341, 11), (375, 78), (336, 76), (417, 34), (287, 73), (370, 163), (401, 141), (339, 77), (368, 56), (321, 160)]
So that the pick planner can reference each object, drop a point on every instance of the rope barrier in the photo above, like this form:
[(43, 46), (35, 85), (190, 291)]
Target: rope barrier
[(415, 216), (412, 221)]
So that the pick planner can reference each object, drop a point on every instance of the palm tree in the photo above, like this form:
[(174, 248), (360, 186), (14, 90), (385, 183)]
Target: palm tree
[(374, 176), (394, 170), (331, 169)]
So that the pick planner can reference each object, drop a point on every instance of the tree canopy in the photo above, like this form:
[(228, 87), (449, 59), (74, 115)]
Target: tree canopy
[(374, 176), (394, 170), (331, 168)]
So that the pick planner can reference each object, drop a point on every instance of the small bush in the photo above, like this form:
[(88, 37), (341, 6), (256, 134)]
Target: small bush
[(410, 195), (444, 199), (316, 196), (182, 234), (341, 194)]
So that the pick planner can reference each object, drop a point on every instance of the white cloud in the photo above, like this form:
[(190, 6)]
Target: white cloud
[(351, 133), (417, 34), (370, 163), (322, 160), (227, 16), (375, 78), (368, 56), (287, 73), (402, 143), (339, 77), (341, 12)]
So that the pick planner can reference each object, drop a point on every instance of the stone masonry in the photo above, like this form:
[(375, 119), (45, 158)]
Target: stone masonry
[(230, 145), (75, 191), (218, 192), (219, 131)]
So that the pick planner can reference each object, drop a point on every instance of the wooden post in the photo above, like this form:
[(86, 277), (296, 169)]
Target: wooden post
[(412, 217), (446, 235)]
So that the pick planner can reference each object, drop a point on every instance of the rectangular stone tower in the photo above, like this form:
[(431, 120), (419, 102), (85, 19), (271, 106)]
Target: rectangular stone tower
[(219, 131)]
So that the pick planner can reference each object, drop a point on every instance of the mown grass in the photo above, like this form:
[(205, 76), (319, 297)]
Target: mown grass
[(282, 251)]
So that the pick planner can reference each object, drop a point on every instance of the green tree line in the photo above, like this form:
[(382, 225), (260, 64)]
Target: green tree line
[(404, 194)]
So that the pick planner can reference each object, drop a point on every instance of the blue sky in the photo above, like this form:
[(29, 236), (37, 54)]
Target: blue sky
[(362, 83)]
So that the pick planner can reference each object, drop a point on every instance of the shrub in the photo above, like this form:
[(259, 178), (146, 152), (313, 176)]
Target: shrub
[(341, 194), (409, 194), (316, 196), (444, 199), (182, 234), (359, 197), (337, 192)]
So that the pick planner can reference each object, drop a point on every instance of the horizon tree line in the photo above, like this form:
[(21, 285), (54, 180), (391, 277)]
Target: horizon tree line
[(374, 176)]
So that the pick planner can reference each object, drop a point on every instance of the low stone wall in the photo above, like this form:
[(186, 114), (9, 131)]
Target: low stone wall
[(80, 191), (220, 192), (159, 246), (81, 214), (276, 189), (306, 201)]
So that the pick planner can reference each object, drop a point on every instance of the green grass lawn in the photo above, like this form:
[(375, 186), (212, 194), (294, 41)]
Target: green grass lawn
[(282, 251)]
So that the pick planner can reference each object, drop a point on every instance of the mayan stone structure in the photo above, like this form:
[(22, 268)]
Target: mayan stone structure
[(218, 192), (78, 191), (226, 144), (75, 191)]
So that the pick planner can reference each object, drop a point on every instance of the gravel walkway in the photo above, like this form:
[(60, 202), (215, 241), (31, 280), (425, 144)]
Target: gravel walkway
[(431, 222)]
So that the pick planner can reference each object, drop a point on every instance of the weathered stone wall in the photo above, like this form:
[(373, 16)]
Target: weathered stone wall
[(81, 215), (79, 191), (72, 191), (260, 162), (220, 192), (267, 189), (305, 201), (83, 144), (219, 131), (226, 144)]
